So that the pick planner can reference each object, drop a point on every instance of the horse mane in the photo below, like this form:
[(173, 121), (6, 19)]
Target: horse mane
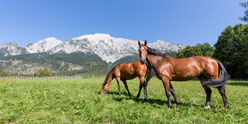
[(107, 77), (154, 52)]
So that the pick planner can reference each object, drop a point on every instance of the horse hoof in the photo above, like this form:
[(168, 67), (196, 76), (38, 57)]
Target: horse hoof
[(207, 107), (227, 106)]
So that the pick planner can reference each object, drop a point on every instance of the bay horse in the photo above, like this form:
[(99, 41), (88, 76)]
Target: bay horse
[(209, 71), (123, 72)]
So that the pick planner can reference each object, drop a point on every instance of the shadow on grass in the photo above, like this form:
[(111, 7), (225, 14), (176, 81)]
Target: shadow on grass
[(239, 84), (154, 101), (150, 101), (117, 93)]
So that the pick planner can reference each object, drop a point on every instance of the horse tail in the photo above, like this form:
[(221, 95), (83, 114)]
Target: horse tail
[(109, 76), (221, 81)]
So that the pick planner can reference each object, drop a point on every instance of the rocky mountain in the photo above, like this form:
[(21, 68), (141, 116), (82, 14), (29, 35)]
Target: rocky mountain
[(11, 49), (110, 49), (42, 45), (165, 47), (83, 54)]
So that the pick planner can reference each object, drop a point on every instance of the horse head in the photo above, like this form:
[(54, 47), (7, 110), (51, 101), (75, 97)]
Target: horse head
[(142, 51), (105, 89)]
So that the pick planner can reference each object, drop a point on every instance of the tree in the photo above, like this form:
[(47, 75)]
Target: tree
[(44, 72), (198, 50), (232, 50), (3, 73), (245, 17)]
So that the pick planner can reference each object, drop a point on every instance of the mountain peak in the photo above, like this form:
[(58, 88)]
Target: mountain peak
[(94, 35), (50, 39), (11, 49), (43, 45), (9, 44)]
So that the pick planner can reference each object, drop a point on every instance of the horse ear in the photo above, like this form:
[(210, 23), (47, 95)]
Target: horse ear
[(145, 42), (139, 43)]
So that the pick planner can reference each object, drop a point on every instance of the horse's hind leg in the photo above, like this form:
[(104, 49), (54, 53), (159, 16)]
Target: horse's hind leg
[(118, 83), (222, 92), (125, 83), (140, 87), (174, 94), (142, 81), (208, 92), (166, 84)]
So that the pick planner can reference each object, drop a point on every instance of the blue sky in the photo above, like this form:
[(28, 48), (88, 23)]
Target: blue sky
[(186, 22)]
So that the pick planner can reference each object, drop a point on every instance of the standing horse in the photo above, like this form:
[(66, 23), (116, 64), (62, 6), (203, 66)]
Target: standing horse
[(209, 71), (123, 72)]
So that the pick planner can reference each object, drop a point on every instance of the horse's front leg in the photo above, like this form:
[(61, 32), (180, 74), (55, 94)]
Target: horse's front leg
[(150, 74), (145, 92), (118, 83), (166, 84)]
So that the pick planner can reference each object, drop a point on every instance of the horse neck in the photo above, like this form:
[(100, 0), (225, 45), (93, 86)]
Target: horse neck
[(109, 77), (153, 60)]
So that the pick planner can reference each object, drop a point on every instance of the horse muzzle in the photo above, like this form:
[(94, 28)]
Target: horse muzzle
[(142, 61), (103, 92)]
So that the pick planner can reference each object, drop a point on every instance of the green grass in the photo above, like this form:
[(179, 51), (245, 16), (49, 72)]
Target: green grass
[(66, 101)]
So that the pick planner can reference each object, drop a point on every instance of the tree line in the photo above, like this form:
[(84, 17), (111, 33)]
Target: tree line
[(42, 73)]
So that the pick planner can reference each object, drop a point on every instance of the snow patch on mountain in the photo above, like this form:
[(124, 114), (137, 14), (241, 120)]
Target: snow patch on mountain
[(11, 49), (42, 45), (108, 48)]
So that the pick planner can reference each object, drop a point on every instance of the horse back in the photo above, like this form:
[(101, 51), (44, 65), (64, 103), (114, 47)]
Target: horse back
[(192, 67), (130, 70)]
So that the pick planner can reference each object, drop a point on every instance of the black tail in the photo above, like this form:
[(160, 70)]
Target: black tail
[(109, 75), (222, 80)]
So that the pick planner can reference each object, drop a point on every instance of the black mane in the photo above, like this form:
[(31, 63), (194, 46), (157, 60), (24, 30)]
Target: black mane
[(154, 52)]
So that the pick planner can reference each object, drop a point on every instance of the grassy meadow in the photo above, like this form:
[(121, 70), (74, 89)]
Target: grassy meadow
[(63, 101)]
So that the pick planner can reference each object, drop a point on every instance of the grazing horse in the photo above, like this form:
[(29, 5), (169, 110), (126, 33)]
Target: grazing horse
[(123, 72), (209, 71)]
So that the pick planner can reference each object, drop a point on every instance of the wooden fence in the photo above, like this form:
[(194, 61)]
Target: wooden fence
[(51, 77)]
